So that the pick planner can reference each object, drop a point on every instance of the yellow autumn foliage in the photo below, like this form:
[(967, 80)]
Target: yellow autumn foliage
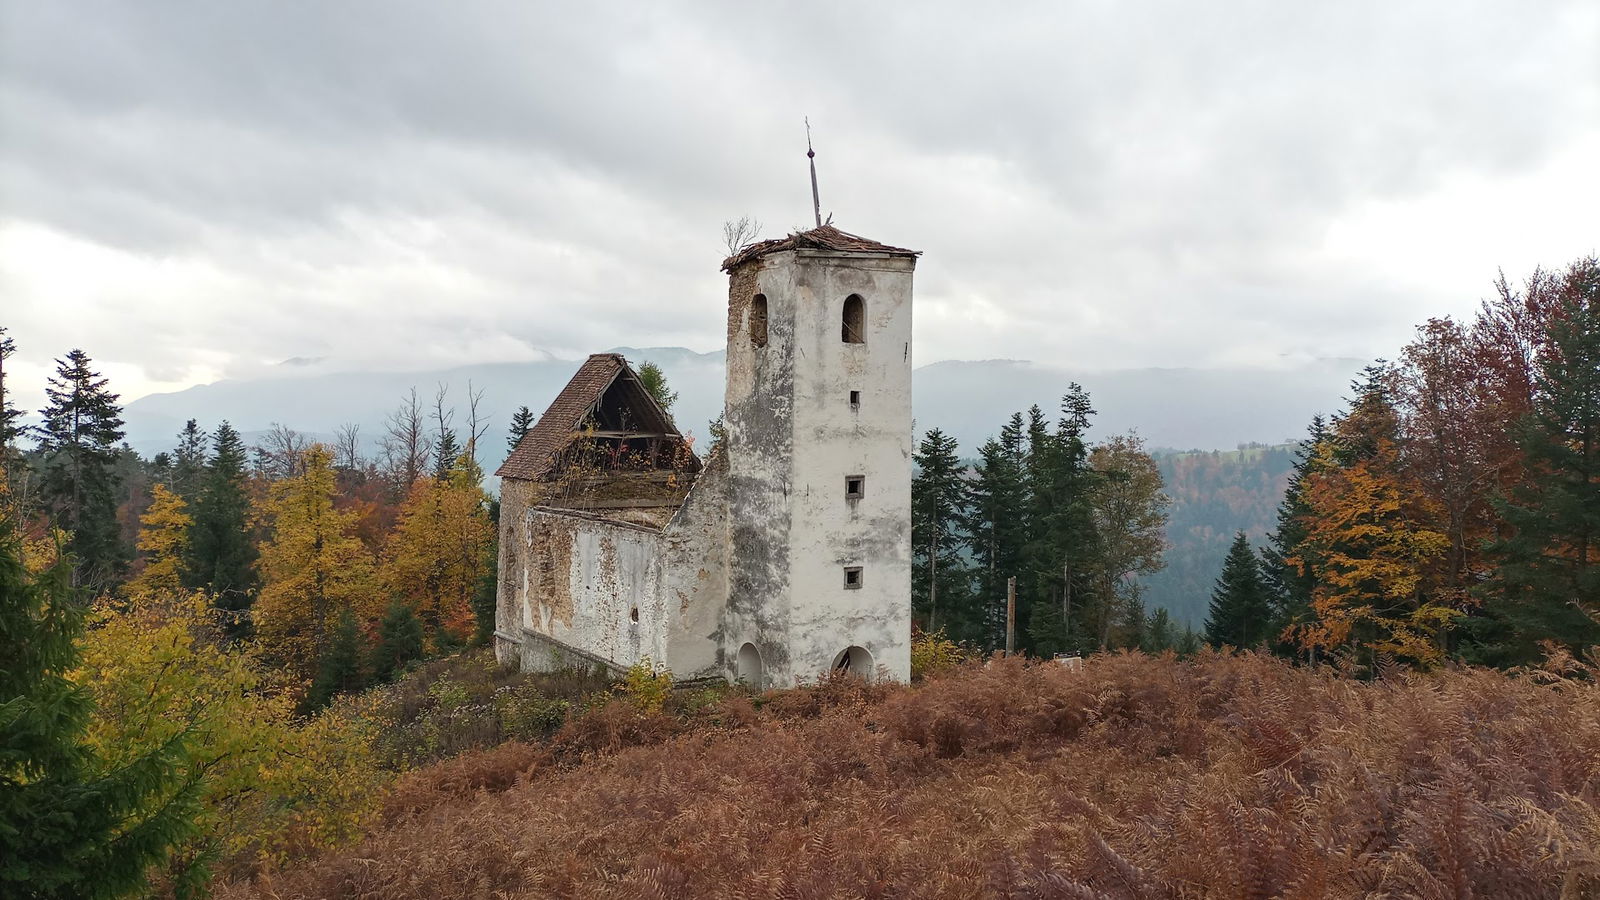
[(272, 785), (438, 551), (313, 566), (163, 538)]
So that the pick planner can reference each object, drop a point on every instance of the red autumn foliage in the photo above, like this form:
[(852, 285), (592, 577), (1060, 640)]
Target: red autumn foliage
[(1221, 776)]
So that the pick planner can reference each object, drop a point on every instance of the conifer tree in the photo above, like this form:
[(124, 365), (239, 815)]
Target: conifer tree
[(164, 541), (1241, 611), (339, 669), (655, 381), (939, 503), (188, 462), (1546, 586), (78, 441), (313, 568), (221, 554), (996, 526), (1159, 636), (9, 430), (66, 831), (1287, 567), (447, 455), (1063, 555), (400, 641), (521, 421)]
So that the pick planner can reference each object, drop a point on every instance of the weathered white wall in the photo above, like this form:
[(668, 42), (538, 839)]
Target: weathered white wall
[(793, 438), (695, 556)]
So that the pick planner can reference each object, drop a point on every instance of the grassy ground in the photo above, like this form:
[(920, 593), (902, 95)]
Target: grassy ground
[(1133, 777)]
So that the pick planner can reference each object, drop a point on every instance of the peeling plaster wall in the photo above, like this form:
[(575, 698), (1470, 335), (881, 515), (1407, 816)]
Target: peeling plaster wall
[(793, 438), (695, 553), (515, 495)]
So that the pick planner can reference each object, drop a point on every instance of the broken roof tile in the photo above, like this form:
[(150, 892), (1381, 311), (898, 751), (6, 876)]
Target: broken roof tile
[(825, 238)]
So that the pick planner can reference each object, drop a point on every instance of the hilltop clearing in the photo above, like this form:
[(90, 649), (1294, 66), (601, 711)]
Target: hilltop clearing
[(1135, 776)]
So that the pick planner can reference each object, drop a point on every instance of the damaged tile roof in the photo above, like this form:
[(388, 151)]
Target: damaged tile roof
[(537, 452), (825, 238)]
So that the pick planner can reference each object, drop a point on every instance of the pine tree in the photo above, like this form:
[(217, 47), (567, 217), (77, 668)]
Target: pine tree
[(996, 527), (939, 503), (164, 540), (446, 456), (66, 831), (521, 421), (1241, 610), (1063, 556), (339, 669), (188, 462), (78, 442), (1159, 636), (1547, 584), (221, 554), (1287, 567), (655, 381), (400, 642), (10, 457)]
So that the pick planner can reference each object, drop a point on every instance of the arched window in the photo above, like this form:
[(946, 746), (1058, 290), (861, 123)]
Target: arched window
[(750, 669), (855, 660), (758, 320), (855, 320)]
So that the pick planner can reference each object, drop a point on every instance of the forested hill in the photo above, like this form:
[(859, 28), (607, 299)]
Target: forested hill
[(1214, 494)]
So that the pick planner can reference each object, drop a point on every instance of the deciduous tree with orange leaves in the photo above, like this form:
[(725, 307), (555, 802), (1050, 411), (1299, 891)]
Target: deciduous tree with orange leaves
[(1371, 529)]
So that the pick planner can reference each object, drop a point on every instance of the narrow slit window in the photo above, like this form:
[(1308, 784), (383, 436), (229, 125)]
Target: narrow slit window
[(855, 487), (855, 320), (855, 399), (758, 320), (852, 577)]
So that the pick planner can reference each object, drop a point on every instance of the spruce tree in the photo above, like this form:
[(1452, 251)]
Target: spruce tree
[(78, 442), (1240, 609), (9, 429), (521, 421), (939, 504), (65, 830), (996, 527), (1063, 555), (1546, 586), (1160, 634), (400, 641), (339, 671), (1286, 566), (221, 554), (447, 455), (187, 464)]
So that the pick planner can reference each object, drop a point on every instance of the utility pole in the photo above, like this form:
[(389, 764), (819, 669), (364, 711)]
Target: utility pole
[(1011, 615)]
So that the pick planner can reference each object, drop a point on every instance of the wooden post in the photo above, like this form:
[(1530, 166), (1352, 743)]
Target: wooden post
[(1011, 615)]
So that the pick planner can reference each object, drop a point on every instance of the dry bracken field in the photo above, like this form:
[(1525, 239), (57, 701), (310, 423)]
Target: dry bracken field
[(1134, 777)]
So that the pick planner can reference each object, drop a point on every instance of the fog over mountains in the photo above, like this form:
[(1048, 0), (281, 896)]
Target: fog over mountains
[(1172, 408)]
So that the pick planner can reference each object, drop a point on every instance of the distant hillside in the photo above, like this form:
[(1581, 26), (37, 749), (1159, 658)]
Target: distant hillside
[(1214, 494), (1174, 408)]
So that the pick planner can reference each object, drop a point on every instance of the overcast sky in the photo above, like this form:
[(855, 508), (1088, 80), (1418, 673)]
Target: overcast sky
[(194, 191)]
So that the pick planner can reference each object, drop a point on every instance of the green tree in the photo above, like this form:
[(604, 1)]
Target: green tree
[(521, 421), (1546, 586), (655, 381), (446, 456), (1128, 509), (189, 462), (1241, 609), (221, 554), (996, 526), (10, 457), (1063, 555), (1160, 635), (78, 445), (400, 641), (65, 829), (339, 670), (939, 503), (1287, 566)]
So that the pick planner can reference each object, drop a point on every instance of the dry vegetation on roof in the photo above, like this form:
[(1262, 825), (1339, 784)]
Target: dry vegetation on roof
[(1132, 777)]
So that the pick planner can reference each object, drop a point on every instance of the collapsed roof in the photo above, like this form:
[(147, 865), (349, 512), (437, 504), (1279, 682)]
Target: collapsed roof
[(826, 237)]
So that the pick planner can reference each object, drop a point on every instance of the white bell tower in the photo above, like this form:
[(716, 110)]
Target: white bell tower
[(818, 439)]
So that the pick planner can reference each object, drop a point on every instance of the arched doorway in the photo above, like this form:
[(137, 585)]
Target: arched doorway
[(749, 668), (856, 661)]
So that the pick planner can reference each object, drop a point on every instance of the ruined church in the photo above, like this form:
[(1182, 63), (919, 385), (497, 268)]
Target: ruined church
[(786, 551)]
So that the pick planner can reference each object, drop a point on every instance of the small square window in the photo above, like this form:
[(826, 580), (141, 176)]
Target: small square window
[(852, 577), (855, 399), (855, 487)]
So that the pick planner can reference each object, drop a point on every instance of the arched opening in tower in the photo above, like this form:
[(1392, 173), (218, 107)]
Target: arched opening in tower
[(855, 320)]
